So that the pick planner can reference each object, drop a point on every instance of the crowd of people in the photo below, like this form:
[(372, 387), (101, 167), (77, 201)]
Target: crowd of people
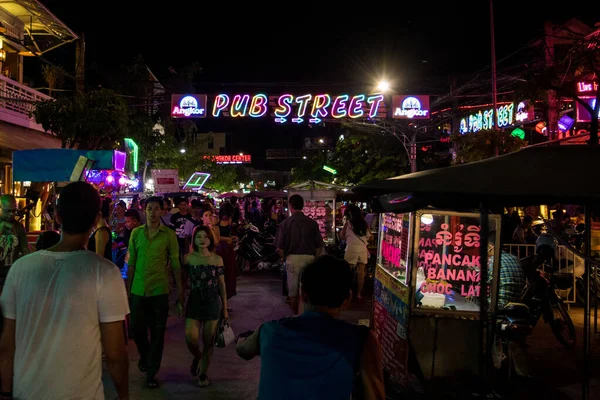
[(64, 305)]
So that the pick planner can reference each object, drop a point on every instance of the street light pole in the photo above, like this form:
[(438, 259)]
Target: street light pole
[(494, 88)]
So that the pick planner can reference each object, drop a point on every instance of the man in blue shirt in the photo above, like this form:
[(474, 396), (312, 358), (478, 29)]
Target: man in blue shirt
[(316, 355)]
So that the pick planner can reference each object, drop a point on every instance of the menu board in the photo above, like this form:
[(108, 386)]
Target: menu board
[(448, 272), (322, 212), (390, 322), (394, 244)]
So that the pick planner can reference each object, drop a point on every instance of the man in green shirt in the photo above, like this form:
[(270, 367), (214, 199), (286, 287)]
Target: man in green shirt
[(151, 247)]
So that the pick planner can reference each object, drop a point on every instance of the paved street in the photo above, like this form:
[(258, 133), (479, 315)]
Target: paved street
[(259, 299)]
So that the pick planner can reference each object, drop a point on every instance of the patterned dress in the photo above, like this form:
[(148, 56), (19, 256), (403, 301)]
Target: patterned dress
[(204, 302)]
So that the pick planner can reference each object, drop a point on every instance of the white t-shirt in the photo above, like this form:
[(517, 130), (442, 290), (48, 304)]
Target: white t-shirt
[(58, 301)]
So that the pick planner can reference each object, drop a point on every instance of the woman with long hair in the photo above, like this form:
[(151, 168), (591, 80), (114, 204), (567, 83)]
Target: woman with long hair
[(207, 300), (357, 234)]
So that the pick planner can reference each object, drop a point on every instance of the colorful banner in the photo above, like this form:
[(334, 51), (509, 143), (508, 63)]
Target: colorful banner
[(390, 322)]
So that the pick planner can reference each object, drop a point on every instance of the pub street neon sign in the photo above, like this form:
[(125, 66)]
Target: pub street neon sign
[(287, 107)]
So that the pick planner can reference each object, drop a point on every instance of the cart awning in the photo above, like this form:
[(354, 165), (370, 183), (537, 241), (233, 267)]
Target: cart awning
[(55, 165), (539, 175)]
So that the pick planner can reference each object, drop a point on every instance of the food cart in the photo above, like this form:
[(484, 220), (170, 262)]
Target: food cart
[(320, 205), (428, 309)]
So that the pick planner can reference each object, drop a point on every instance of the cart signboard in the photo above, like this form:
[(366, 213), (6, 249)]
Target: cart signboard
[(390, 322), (391, 292)]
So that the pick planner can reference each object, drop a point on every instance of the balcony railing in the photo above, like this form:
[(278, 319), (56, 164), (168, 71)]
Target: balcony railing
[(17, 102)]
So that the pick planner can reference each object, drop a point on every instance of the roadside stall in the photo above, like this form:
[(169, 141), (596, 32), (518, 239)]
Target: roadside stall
[(320, 204), (429, 309), (42, 172)]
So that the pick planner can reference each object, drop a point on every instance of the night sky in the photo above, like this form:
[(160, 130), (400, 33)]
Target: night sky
[(414, 45)]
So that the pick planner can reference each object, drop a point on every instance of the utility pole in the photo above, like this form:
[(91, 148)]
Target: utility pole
[(80, 64), (494, 88), (413, 152), (548, 44)]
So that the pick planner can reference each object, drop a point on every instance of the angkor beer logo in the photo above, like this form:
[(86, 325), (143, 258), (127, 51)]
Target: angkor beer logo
[(188, 106), (410, 108)]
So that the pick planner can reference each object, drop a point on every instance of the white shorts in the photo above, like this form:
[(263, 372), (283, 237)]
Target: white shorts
[(356, 256), (294, 265)]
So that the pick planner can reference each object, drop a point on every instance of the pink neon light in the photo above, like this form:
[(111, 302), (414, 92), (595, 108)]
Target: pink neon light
[(122, 181), (221, 103), (338, 110), (258, 106), (109, 179), (374, 101), (284, 105), (320, 104), (239, 105), (356, 106)]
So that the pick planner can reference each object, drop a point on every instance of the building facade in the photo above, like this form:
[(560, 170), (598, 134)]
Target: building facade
[(27, 29)]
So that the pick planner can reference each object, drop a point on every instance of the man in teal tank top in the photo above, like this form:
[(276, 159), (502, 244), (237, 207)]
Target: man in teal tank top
[(316, 355)]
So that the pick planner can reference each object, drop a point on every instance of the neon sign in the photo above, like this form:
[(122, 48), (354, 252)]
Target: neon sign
[(188, 106), (410, 107), (522, 112), (230, 159), (587, 87), (196, 181), (483, 119), (298, 109)]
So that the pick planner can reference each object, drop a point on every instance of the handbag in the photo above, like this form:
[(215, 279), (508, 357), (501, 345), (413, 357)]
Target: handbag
[(225, 335)]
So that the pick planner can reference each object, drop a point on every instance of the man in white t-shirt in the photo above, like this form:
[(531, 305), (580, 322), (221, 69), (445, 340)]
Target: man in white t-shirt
[(62, 307)]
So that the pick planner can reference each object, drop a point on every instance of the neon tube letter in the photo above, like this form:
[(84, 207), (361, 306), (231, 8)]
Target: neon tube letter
[(221, 103), (320, 104), (239, 105), (338, 110), (284, 107), (374, 101), (356, 106), (302, 104), (258, 106)]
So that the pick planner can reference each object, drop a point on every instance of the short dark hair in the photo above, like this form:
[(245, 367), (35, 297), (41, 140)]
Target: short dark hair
[(296, 202), (327, 281), (46, 240), (209, 234), (78, 207), (196, 203), (155, 199), (133, 214)]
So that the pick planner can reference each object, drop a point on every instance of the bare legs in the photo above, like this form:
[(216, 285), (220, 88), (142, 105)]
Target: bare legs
[(208, 343), (361, 272), (192, 337)]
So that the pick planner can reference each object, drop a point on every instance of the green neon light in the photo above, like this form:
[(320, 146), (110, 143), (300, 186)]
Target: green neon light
[(518, 132), (329, 169), (197, 180), (134, 147)]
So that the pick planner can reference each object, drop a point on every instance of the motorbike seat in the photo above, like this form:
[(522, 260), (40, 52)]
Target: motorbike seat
[(515, 309)]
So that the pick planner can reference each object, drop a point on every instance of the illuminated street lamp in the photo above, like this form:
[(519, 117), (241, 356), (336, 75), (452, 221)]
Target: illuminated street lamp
[(383, 86)]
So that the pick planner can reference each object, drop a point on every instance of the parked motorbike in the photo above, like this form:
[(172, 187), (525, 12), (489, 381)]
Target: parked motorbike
[(256, 246), (543, 301), (512, 325)]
